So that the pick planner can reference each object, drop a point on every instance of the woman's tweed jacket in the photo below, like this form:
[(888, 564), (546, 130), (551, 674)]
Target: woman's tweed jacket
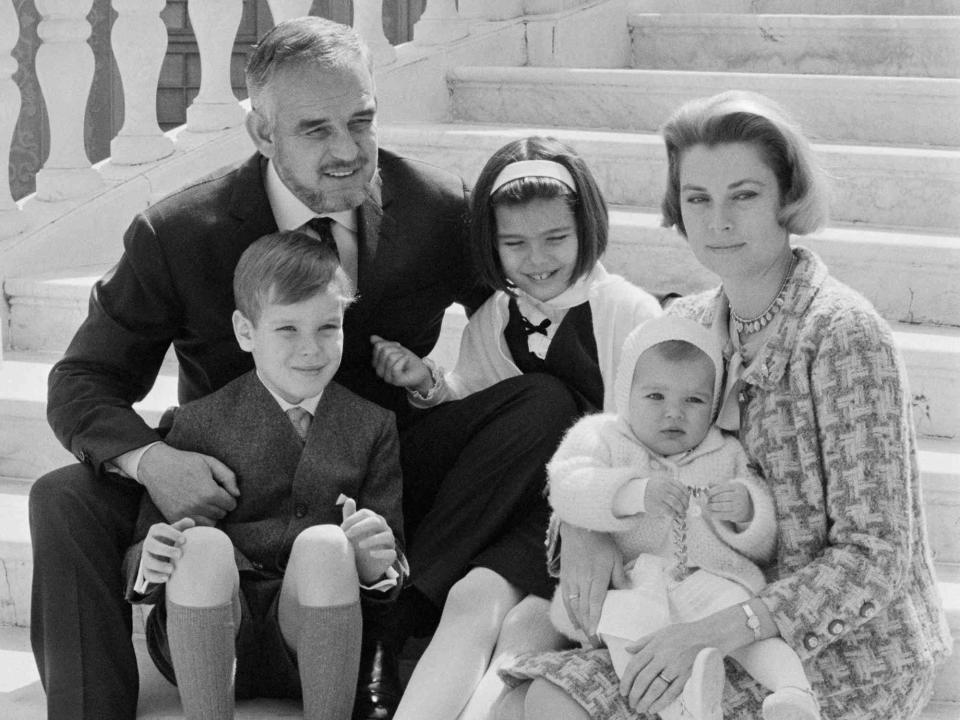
[(825, 415)]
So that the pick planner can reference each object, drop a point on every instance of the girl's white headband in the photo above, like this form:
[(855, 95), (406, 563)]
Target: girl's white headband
[(534, 168)]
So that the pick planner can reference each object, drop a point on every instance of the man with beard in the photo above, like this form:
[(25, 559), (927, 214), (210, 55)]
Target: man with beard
[(399, 229)]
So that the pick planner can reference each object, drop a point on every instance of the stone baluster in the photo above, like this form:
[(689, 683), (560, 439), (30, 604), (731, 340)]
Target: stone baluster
[(64, 66), (368, 21), (440, 23), (139, 40), (215, 24), (11, 220), (285, 9)]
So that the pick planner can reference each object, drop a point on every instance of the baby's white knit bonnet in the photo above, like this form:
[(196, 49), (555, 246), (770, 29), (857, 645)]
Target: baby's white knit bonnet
[(658, 330)]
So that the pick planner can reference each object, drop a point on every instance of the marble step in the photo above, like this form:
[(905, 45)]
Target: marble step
[(918, 46), (889, 186), (793, 7), (21, 697), (830, 108), (28, 447), (909, 277)]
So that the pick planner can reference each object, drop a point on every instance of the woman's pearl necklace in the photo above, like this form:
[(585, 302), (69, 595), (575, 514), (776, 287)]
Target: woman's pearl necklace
[(755, 325)]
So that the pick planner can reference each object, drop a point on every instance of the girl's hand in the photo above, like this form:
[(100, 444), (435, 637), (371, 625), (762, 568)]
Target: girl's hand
[(665, 496), (399, 366), (161, 549), (667, 654), (374, 546), (730, 501), (590, 564)]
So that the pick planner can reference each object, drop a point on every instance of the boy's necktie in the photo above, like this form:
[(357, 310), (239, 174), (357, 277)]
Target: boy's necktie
[(301, 421)]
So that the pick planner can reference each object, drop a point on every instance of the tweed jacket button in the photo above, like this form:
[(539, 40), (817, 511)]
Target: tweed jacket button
[(81, 456), (257, 565), (300, 509), (836, 627), (867, 610), (811, 641)]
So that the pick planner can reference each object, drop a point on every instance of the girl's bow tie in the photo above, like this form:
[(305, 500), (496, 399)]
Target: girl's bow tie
[(529, 328)]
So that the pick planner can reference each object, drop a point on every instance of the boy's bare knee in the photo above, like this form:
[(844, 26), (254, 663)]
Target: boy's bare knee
[(206, 573), (527, 627), (323, 566)]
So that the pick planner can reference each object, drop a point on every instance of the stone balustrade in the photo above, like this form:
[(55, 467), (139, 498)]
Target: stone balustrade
[(98, 200)]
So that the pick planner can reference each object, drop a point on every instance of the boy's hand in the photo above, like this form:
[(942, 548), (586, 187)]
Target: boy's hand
[(373, 543), (399, 366), (665, 496), (188, 484), (161, 549), (730, 501)]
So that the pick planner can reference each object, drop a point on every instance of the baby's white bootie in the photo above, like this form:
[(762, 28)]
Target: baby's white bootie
[(702, 697), (791, 703)]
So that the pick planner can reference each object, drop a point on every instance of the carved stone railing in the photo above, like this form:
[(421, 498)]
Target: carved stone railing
[(69, 185)]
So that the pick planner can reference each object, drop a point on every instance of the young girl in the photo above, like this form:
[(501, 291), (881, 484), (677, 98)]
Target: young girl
[(689, 516), (539, 227)]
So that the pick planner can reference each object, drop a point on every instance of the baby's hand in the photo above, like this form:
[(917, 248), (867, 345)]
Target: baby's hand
[(399, 366), (161, 549), (665, 496), (372, 539), (730, 501)]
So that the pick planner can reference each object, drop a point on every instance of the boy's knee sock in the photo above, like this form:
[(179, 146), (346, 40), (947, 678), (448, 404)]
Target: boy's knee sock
[(203, 653), (328, 656)]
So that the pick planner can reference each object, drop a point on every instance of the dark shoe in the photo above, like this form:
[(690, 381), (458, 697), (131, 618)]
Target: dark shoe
[(378, 684)]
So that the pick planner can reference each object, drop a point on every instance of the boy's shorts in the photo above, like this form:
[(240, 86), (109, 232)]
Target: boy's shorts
[(266, 667)]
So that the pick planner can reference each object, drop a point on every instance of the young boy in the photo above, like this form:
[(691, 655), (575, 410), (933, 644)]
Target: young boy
[(688, 515), (275, 586)]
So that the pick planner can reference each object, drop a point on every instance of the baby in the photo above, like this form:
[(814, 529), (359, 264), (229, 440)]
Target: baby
[(691, 519)]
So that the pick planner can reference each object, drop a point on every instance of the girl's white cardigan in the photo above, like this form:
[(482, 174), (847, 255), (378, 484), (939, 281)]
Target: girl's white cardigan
[(616, 306)]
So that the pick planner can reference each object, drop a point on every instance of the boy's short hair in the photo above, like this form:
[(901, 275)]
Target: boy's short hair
[(586, 202), (744, 117), (287, 267)]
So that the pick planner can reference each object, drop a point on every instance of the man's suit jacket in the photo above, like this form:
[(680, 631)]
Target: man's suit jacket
[(173, 284), (351, 448)]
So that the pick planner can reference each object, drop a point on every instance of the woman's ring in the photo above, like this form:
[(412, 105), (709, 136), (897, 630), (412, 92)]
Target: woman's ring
[(573, 596), (661, 677)]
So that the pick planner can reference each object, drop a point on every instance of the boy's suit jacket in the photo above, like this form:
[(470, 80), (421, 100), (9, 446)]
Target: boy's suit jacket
[(173, 284), (285, 486)]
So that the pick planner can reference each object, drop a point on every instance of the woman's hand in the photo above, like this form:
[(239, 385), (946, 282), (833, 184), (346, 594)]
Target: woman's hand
[(590, 564), (666, 655)]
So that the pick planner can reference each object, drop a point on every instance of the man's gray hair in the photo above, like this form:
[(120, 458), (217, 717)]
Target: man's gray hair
[(305, 39)]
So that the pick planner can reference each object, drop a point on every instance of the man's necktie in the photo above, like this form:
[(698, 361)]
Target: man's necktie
[(322, 227), (301, 421)]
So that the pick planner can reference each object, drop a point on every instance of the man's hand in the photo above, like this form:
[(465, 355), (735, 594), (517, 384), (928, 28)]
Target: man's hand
[(399, 366), (373, 543), (730, 501), (590, 564), (188, 484)]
